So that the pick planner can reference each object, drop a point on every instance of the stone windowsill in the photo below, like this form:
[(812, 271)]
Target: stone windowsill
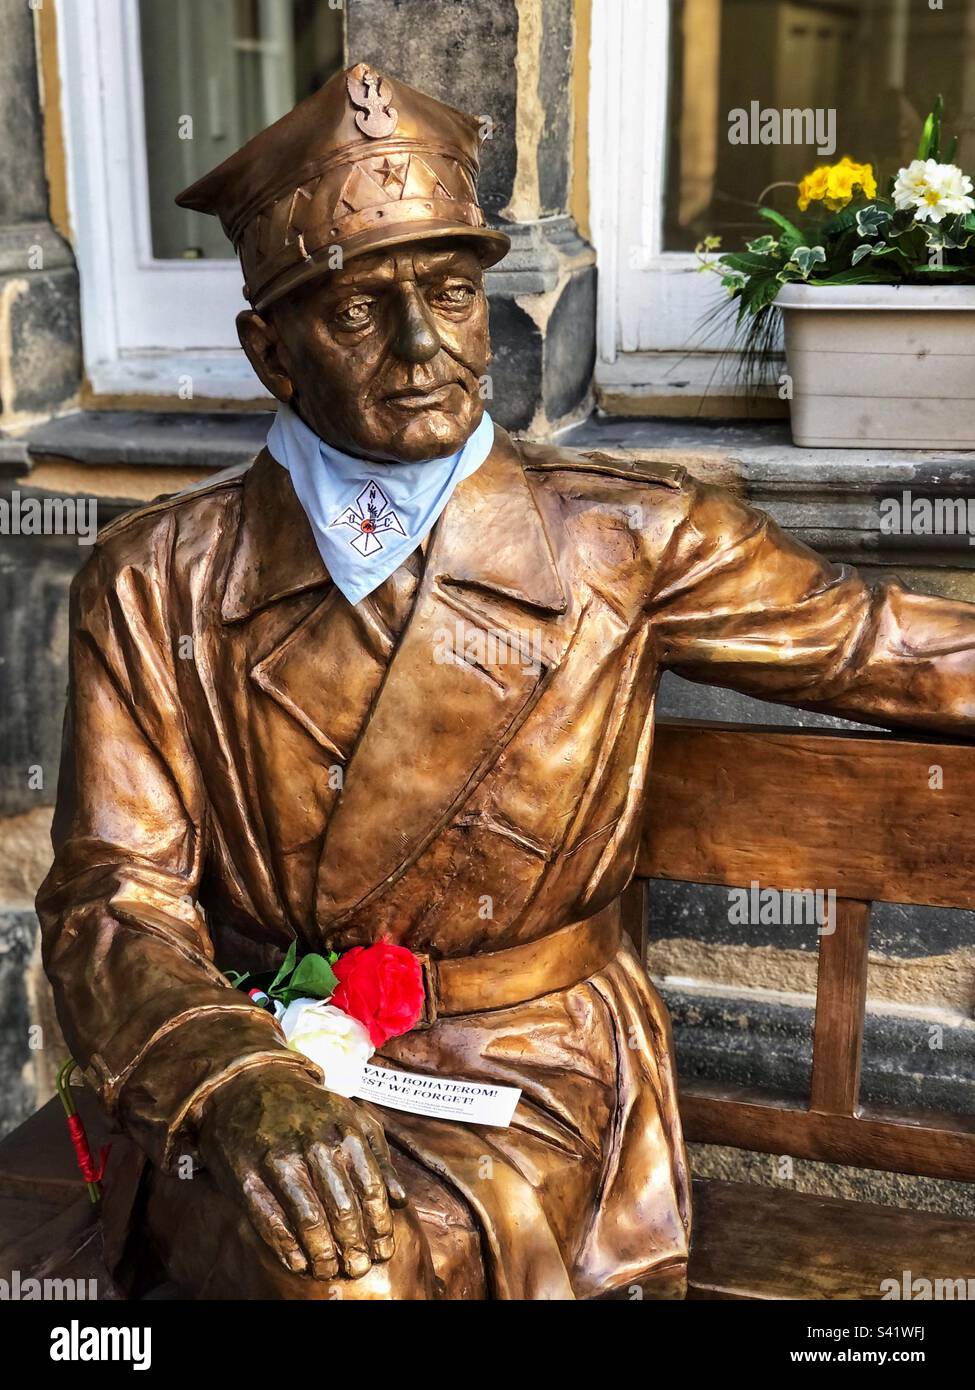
[(829, 498)]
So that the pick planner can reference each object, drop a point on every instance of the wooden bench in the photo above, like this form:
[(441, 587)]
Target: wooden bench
[(731, 805), (794, 809)]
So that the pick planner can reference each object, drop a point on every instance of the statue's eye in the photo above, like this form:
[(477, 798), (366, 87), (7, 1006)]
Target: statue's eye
[(354, 313), (453, 296)]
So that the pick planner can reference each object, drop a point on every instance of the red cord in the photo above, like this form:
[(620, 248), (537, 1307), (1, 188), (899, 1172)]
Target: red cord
[(82, 1152)]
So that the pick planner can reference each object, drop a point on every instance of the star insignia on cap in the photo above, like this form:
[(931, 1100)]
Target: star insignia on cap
[(391, 171)]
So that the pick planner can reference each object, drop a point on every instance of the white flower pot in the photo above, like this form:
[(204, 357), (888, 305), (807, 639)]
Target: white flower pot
[(881, 366)]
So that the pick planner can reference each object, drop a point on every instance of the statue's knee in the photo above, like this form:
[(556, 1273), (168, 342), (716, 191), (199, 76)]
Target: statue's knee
[(407, 1275), (211, 1251)]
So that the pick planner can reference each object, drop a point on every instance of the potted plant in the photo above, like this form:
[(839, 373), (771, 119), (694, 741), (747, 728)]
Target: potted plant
[(877, 299)]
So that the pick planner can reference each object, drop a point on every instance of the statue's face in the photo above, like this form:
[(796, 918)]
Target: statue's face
[(384, 358)]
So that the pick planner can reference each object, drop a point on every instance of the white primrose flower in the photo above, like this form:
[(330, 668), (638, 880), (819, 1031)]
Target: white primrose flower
[(336, 1042), (911, 183), (933, 190)]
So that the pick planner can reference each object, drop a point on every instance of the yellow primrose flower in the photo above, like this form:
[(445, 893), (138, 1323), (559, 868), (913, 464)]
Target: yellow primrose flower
[(812, 189), (833, 185)]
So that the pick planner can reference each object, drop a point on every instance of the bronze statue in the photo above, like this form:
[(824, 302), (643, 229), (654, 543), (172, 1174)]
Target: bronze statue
[(487, 804)]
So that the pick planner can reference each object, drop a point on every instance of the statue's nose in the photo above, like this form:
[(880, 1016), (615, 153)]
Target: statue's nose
[(417, 339)]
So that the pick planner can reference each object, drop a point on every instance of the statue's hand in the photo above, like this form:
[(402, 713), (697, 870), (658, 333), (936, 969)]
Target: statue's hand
[(311, 1169)]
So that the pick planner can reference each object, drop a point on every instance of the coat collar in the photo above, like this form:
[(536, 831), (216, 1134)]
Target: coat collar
[(492, 535), (275, 555), (493, 538)]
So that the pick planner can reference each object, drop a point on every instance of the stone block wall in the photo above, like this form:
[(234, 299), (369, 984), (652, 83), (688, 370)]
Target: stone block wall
[(511, 62)]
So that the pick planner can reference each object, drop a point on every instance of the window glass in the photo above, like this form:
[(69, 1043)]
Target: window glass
[(215, 74), (877, 65)]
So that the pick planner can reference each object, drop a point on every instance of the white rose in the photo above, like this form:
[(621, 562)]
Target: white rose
[(334, 1041)]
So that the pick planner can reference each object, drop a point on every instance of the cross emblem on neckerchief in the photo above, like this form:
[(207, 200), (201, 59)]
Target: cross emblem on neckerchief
[(370, 516)]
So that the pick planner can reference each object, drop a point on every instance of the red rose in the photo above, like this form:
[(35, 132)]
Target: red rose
[(382, 987)]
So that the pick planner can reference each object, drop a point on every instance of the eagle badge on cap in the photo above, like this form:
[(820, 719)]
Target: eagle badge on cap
[(347, 168), (370, 91)]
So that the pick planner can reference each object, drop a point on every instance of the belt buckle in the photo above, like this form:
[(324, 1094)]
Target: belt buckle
[(428, 969)]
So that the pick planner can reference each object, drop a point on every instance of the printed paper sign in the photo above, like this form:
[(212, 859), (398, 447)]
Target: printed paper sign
[(440, 1097)]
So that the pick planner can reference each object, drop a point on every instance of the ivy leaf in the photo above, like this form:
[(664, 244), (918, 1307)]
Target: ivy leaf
[(806, 257), (860, 252), (763, 245), (901, 222), (950, 233), (871, 220)]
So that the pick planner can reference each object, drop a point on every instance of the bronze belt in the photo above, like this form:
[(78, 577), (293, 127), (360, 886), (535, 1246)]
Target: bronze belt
[(500, 979)]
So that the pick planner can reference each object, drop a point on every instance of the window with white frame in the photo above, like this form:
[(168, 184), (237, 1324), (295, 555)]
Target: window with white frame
[(666, 78), (155, 93)]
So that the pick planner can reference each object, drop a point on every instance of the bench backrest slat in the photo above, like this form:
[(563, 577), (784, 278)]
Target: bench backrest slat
[(870, 816), (805, 808)]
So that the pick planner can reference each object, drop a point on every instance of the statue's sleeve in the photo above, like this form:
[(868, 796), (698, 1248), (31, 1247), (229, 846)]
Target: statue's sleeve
[(739, 603), (145, 1011)]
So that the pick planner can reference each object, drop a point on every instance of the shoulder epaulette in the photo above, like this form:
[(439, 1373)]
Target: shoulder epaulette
[(226, 478), (643, 470)]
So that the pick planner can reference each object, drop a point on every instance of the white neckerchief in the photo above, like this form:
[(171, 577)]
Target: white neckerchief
[(368, 517)]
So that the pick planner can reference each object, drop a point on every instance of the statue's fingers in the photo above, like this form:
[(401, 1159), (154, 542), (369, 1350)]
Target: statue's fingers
[(371, 1186), (268, 1220), (373, 1131), (296, 1191), (338, 1196)]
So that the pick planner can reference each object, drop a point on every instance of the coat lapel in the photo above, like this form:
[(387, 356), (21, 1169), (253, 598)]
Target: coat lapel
[(325, 669), (477, 652), (275, 555)]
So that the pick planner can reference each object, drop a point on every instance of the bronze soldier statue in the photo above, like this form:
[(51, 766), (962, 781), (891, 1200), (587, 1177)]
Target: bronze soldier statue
[(447, 751)]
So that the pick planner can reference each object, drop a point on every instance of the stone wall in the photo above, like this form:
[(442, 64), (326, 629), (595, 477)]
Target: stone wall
[(512, 63), (40, 338)]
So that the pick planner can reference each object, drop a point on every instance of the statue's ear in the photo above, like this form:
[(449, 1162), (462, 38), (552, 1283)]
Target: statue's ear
[(262, 346)]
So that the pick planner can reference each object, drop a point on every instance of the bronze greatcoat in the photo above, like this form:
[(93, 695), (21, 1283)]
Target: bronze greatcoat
[(456, 763)]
